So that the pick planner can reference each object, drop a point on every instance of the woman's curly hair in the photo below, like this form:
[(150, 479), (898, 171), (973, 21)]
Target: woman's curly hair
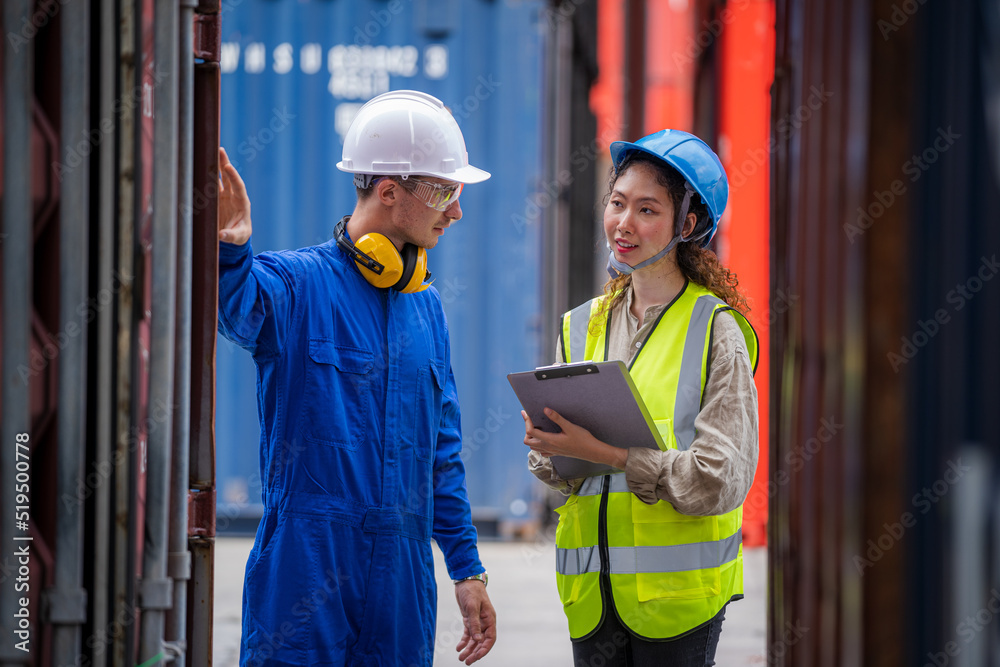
[(699, 265)]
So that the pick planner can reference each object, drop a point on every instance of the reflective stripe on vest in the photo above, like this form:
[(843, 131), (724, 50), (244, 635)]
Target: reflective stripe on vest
[(574, 349), (592, 486), (633, 560), (688, 400)]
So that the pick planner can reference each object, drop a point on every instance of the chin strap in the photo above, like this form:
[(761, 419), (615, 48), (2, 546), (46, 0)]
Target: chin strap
[(618, 268)]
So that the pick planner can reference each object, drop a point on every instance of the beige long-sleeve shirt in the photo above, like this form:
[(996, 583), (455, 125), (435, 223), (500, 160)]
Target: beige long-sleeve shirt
[(715, 474)]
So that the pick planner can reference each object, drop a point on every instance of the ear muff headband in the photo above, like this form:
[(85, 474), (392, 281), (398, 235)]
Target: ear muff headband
[(381, 264), (348, 247)]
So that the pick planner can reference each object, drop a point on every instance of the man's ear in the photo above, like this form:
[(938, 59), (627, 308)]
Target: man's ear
[(689, 225), (387, 191)]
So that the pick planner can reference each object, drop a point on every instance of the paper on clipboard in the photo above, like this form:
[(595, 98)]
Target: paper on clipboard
[(599, 396)]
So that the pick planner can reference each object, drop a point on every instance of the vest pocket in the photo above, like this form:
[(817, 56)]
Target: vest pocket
[(692, 585), (685, 550)]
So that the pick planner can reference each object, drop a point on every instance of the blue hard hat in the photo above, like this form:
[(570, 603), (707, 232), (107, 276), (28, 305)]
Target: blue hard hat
[(697, 163)]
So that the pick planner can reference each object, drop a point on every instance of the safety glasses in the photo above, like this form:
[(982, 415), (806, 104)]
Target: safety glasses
[(439, 197)]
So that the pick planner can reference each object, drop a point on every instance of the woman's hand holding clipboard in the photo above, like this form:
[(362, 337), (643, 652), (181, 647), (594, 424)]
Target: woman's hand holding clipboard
[(573, 412)]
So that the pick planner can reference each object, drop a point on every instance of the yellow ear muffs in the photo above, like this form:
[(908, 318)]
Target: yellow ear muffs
[(381, 249), (384, 266), (415, 258)]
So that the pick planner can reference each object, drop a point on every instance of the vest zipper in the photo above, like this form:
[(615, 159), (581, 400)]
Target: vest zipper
[(602, 529), (607, 596)]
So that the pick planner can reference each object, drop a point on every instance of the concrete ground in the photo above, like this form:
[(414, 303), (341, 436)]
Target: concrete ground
[(531, 627)]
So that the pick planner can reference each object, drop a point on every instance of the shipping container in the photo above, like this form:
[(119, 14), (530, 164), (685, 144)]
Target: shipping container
[(100, 157), (884, 530), (294, 74)]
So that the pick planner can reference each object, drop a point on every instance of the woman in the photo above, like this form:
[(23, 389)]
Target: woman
[(649, 557)]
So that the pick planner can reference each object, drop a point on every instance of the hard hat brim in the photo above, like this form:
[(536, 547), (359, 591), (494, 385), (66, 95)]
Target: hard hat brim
[(467, 174)]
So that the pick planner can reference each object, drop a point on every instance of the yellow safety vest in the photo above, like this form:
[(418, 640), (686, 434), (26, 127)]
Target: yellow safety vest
[(669, 573)]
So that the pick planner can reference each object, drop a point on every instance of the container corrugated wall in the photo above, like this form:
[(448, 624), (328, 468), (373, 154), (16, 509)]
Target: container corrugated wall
[(293, 76), (819, 343), (884, 527)]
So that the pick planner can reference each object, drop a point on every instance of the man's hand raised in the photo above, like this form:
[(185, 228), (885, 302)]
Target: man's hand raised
[(234, 205)]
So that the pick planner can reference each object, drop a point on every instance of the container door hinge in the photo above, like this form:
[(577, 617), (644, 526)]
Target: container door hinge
[(208, 37)]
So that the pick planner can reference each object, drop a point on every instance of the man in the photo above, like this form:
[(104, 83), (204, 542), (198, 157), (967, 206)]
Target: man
[(359, 414)]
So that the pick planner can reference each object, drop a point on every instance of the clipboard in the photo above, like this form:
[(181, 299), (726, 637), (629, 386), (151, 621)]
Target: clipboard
[(599, 396)]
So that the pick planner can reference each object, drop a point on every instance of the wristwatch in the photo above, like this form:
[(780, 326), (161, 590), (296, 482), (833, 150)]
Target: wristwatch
[(482, 576)]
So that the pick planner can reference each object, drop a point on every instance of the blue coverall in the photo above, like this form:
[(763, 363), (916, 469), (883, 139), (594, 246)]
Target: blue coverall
[(359, 460)]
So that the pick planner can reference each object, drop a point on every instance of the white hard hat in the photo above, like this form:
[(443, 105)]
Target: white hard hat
[(406, 132)]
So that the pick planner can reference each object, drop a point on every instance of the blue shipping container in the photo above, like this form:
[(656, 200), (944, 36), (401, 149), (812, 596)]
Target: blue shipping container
[(294, 75)]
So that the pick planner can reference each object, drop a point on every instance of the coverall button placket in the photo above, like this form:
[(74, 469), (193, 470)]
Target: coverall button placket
[(377, 519), (394, 398)]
